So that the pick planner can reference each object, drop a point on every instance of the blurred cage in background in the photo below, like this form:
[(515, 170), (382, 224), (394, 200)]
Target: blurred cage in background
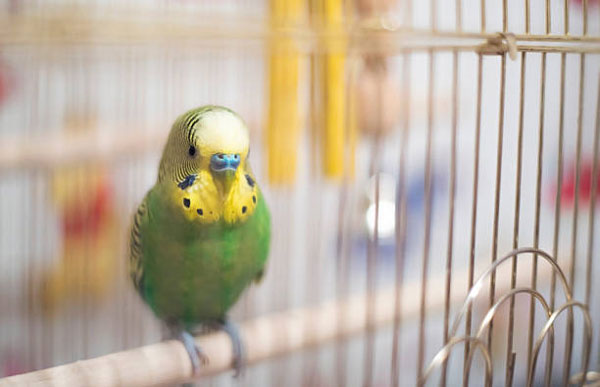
[(406, 150)]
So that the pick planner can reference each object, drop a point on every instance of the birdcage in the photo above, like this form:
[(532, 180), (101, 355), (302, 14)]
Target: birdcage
[(432, 170)]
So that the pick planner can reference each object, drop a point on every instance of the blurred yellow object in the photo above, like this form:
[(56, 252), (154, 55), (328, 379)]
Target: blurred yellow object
[(283, 126), (352, 118), (337, 132), (335, 90)]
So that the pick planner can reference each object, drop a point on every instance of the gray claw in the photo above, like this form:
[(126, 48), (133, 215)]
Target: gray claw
[(239, 354), (197, 356)]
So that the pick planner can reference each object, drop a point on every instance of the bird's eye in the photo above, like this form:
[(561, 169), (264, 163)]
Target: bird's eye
[(192, 150)]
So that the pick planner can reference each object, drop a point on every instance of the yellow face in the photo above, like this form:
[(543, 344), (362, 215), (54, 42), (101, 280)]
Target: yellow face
[(211, 139), (205, 168)]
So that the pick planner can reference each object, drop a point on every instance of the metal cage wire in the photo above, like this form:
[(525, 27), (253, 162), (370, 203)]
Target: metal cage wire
[(484, 188)]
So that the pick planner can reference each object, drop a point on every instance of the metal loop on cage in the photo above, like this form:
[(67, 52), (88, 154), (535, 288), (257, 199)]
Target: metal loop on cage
[(501, 44), (492, 312), (511, 44), (442, 356), (478, 285), (549, 325)]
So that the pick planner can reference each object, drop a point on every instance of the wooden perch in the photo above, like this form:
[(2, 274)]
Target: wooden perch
[(168, 362), (265, 337)]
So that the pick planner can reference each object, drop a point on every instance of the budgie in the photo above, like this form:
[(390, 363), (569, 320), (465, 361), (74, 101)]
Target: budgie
[(201, 235)]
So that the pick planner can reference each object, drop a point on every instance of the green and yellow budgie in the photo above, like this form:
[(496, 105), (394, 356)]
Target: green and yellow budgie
[(201, 234)]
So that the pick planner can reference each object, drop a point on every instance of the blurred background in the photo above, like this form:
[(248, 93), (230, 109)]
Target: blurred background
[(401, 145)]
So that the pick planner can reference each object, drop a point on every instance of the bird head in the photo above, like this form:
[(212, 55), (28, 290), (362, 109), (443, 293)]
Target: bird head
[(212, 139)]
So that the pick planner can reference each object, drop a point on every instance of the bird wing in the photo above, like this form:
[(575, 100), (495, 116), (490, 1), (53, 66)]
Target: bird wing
[(136, 269)]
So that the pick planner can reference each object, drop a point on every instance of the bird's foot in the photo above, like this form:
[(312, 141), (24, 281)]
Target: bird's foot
[(197, 356), (239, 353)]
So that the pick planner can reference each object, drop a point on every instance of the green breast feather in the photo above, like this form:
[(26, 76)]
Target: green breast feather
[(192, 271)]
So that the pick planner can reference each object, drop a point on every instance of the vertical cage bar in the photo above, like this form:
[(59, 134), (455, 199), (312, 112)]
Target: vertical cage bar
[(574, 229), (372, 255), (550, 345), (497, 190), (592, 219), (25, 181), (560, 156), (536, 232), (316, 116), (596, 163), (401, 220), (566, 16), (70, 198), (88, 250), (39, 219), (585, 17), (548, 17), (427, 215), (427, 201), (372, 246), (475, 192), (483, 20), (471, 269), (344, 218), (342, 284), (559, 181), (459, 15), (593, 182), (510, 355), (527, 17), (47, 326), (504, 16), (452, 193)]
